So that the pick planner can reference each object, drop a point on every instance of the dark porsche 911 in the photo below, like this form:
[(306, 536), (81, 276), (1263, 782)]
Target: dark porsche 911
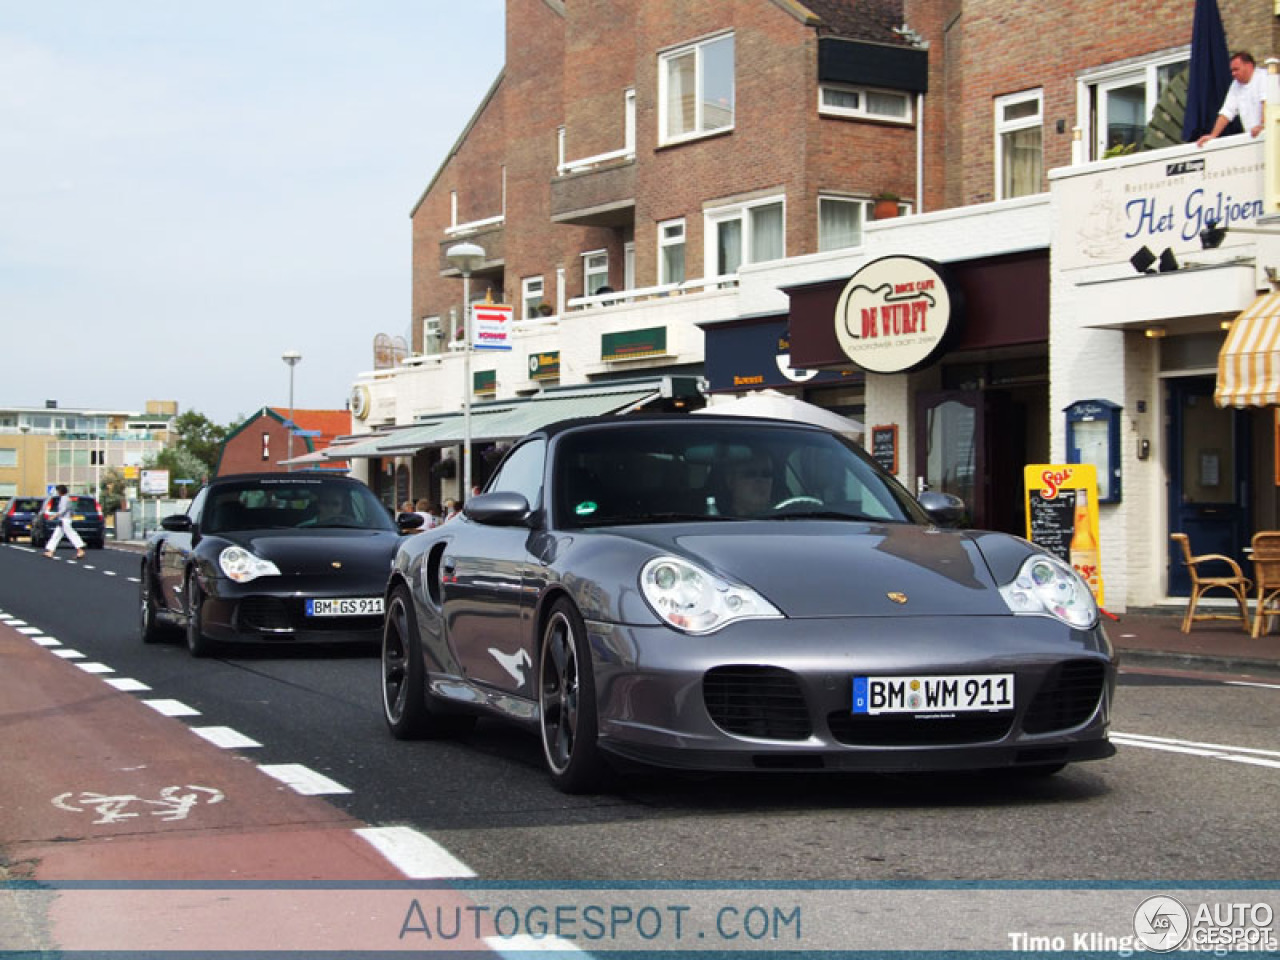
[(722, 593), (270, 557)]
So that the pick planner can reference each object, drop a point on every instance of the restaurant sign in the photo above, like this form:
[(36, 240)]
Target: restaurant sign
[(634, 344), (484, 382), (894, 314), (544, 365)]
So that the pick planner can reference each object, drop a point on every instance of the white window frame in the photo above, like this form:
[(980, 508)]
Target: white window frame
[(531, 288), (588, 288), (8, 456), (629, 265), (862, 112), (713, 218), (664, 241), (1013, 126), (699, 125), (1088, 84), (866, 207)]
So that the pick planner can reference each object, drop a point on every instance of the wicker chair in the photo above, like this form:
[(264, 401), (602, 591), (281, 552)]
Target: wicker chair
[(1237, 584), (1266, 570)]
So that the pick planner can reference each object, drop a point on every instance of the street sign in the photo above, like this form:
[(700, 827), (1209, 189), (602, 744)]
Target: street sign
[(184, 481), (307, 433)]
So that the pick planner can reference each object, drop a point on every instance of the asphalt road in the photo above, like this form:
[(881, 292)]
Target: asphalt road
[(1157, 811)]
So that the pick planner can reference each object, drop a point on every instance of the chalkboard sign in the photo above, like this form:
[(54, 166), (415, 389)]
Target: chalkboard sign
[(884, 446), (1052, 522)]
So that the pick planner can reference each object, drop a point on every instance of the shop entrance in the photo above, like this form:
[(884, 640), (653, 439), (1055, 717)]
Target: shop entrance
[(1209, 476), (972, 443)]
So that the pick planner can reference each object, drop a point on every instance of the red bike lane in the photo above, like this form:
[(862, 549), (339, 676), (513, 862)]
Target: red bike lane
[(155, 839)]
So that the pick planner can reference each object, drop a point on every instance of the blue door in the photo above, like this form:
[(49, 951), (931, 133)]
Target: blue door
[(1209, 488)]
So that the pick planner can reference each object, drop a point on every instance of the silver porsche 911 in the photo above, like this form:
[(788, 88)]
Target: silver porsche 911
[(722, 593)]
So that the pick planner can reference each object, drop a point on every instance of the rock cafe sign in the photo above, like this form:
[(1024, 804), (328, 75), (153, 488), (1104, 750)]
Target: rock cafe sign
[(893, 314)]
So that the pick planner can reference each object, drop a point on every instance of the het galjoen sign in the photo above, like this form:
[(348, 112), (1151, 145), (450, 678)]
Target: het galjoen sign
[(894, 314)]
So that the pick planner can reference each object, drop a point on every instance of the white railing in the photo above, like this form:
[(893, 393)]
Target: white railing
[(474, 225), (647, 293)]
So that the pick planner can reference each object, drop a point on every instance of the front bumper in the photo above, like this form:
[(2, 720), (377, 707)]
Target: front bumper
[(263, 611), (778, 694)]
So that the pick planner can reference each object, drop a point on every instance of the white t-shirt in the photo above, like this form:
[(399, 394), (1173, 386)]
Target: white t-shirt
[(1244, 100)]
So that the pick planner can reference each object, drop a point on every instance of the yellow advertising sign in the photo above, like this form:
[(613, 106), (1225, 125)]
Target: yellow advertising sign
[(1062, 516), (131, 473)]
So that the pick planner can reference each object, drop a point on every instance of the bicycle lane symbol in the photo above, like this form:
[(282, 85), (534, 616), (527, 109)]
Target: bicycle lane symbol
[(173, 803)]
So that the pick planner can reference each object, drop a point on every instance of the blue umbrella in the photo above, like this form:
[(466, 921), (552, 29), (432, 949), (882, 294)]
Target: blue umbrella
[(1209, 75)]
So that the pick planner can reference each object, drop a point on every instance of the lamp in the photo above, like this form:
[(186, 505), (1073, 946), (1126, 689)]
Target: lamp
[(1142, 260), (291, 357), (466, 257), (1212, 235), (1154, 333), (1168, 262)]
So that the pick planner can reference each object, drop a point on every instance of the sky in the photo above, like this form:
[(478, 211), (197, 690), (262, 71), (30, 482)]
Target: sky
[(189, 189)]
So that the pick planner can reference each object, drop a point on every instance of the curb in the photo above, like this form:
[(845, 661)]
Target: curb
[(1197, 662)]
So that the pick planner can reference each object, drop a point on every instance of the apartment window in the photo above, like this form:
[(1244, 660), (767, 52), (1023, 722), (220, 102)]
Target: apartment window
[(8, 457), (8, 490), (671, 251), (864, 103), (840, 221), (532, 299), (695, 89), (266, 446), (750, 233), (1019, 128), (595, 272), (1115, 104)]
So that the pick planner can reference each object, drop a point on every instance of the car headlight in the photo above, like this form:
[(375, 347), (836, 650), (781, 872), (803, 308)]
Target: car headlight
[(1046, 585), (242, 566), (695, 601)]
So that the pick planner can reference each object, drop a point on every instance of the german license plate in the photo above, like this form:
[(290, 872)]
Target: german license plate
[(78, 516), (345, 607), (950, 694)]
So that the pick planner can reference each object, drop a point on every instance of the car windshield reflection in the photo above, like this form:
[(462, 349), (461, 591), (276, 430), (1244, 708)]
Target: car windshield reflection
[(302, 504)]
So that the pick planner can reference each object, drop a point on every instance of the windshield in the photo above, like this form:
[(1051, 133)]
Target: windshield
[(679, 471), (293, 503), (25, 504)]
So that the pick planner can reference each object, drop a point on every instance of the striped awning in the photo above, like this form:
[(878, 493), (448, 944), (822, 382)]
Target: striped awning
[(1249, 364)]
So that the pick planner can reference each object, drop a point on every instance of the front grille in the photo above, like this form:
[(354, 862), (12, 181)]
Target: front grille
[(264, 613), (762, 702), (903, 730), (1067, 697)]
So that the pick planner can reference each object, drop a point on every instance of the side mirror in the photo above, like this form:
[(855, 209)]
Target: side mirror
[(409, 522), (178, 523), (502, 509), (944, 509)]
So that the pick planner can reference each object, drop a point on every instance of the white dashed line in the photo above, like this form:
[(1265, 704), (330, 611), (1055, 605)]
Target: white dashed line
[(172, 708), (95, 668), (225, 737), (127, 684), (133, 579), (303, 779), (109, 573), (67, 653), (46, 641), (526, 943), (1248, 683), (415, 855), (30, 631)]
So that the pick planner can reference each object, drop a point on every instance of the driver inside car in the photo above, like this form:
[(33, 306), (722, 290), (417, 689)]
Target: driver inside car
[(749, 487)]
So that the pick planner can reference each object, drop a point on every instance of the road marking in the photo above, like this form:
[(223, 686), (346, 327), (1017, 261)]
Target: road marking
[(302, 779), (68, 654), (1214, 751), (525, 943), (1247, 683), (127, 684), (46, 641), (89, 566), (172, 708), (414, 854), (225, 737), (112, 808), (95, 668), (109, 573), (133, 579), (30, 631)]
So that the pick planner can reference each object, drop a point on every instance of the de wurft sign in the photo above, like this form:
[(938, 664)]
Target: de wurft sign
[(894, 314)]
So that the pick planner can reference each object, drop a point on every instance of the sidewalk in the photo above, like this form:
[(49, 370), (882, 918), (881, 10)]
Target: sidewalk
[(1152, 637)]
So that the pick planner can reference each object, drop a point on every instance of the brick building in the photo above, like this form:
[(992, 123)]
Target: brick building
[(261, 443)]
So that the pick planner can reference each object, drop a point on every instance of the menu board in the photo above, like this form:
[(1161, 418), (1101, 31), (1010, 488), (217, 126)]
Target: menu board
[(1053, 521), (884, 446)]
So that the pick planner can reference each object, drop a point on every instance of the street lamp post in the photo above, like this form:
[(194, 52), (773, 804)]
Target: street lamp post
[(466, 257), (291, 357)]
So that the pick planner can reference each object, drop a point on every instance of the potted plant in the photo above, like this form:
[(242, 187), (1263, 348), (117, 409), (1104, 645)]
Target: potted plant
[(886, 205)]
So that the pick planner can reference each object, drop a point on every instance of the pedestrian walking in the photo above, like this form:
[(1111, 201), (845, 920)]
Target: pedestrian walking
[(62, 525)]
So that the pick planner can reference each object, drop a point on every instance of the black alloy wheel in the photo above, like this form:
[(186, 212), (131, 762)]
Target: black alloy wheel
[(197, 643), (151, 632), (567, 703), (405, 704)]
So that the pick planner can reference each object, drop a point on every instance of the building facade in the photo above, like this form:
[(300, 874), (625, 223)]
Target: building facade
[(261, 444)]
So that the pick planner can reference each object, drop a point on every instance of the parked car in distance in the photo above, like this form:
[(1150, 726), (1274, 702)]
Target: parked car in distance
[(86, 519), (19, 512), (277, 558), (722, 593)]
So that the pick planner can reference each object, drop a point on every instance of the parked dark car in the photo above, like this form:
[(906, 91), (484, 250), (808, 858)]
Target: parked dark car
[(270, 558), (19, 512), (724, 593), (86, 519)]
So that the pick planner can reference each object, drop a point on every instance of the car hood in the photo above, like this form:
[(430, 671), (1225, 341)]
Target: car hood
[(838, 569), (316, 552)]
